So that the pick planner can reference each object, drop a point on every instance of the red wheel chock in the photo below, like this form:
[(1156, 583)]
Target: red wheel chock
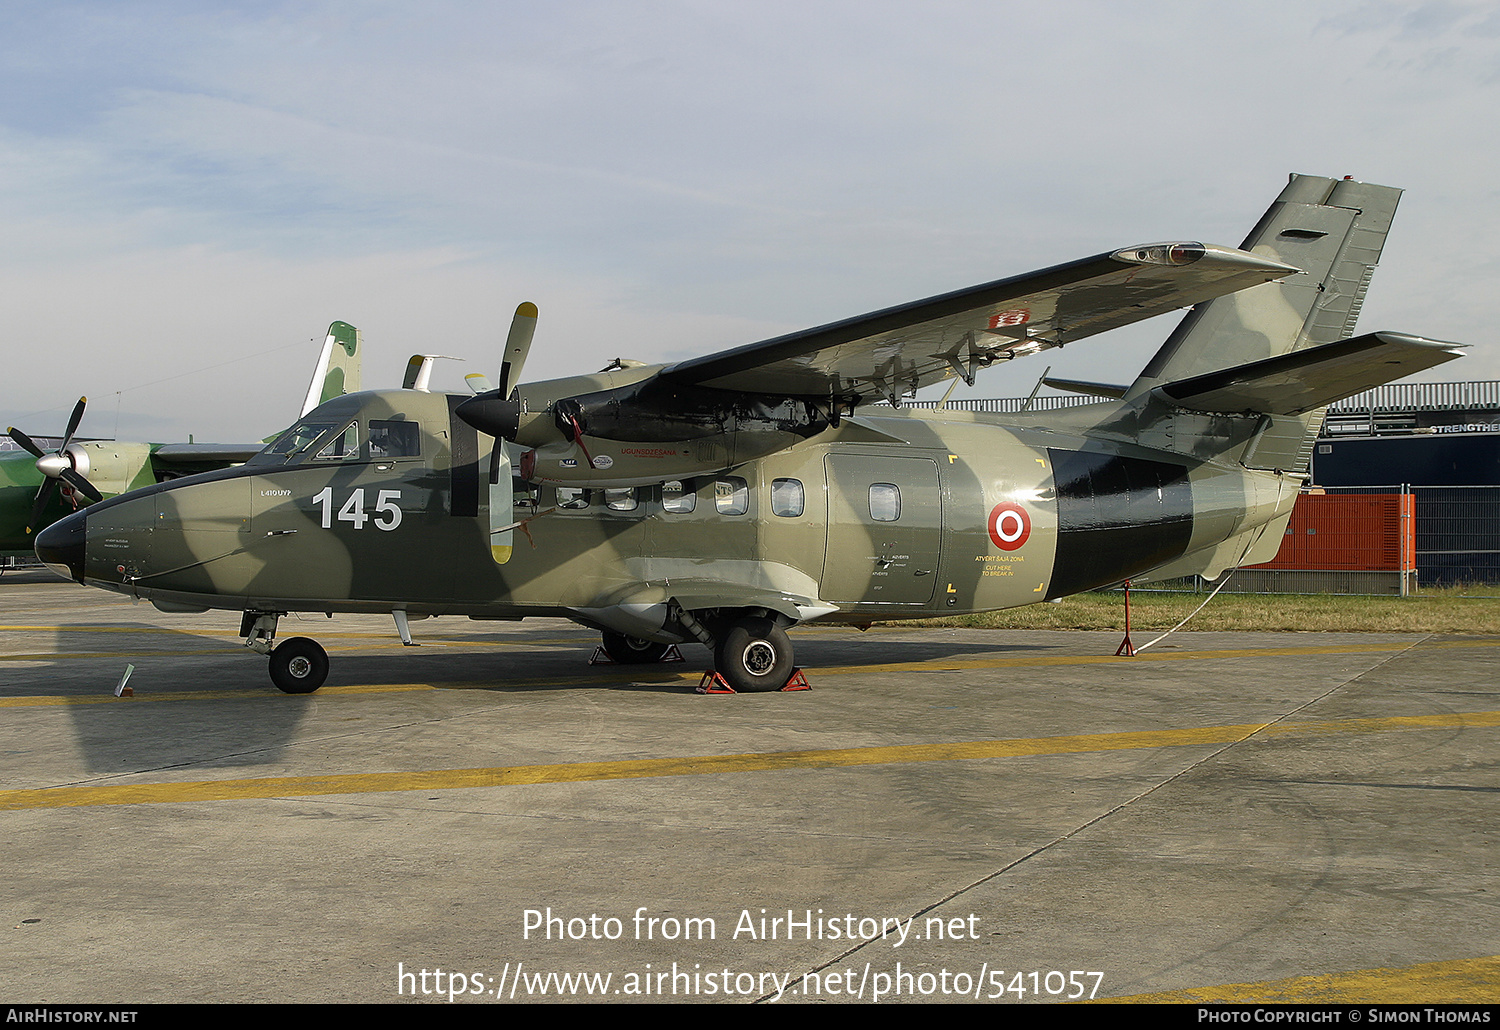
[(713, 683)]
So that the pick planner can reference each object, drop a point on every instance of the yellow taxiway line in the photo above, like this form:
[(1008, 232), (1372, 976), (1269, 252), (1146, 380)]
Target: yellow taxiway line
[(698, 765), (1460, 981)]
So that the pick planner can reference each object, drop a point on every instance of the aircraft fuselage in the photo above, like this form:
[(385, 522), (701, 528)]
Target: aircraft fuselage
[(897, 515)]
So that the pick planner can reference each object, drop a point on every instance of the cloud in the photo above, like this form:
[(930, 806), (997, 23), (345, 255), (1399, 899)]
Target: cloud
[(190, 181)]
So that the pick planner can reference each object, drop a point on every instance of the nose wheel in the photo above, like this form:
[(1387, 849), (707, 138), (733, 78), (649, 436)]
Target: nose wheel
[(299, 665)]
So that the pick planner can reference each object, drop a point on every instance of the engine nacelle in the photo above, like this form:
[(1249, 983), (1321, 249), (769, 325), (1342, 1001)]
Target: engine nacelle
[(112, 466), (644, 432)]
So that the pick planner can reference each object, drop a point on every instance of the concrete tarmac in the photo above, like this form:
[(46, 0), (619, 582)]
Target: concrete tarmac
[(946, 815)]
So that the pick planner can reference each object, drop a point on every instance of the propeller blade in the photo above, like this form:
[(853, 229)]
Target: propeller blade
[(517, 346), (73, 421), (26, 442), (82, 485), (43, 497), (478, 383)]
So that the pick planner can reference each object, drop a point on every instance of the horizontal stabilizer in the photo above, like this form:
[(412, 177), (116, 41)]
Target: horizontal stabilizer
[(1109, 390), (1303, 380)]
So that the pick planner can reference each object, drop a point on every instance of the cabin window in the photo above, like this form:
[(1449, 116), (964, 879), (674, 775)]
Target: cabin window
[(621, 499), (885, 502), (678, 496), (342, 447), (731, 496), (572, 498), (395, 439), (788, 499)]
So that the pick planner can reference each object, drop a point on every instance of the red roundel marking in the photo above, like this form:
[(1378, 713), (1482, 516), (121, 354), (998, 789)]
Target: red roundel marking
[(1009, 526)]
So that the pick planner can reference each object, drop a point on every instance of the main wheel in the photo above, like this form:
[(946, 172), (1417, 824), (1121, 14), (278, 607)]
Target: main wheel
[(299, 665), (633, 650), (754, 655)]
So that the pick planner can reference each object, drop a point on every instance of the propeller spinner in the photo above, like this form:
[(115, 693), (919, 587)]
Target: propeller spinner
[(62, 465)]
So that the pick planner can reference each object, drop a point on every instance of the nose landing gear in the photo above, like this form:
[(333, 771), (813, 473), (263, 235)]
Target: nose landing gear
[(299, 665)]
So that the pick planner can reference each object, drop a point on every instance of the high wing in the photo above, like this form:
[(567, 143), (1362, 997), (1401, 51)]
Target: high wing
[(890, 353)]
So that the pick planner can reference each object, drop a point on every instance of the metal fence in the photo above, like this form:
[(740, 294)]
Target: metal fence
[(1477, 395), (1461, 396), (1458, 536), (1457, 533)]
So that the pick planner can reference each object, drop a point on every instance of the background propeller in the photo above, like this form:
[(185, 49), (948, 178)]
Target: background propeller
[(61, 465)]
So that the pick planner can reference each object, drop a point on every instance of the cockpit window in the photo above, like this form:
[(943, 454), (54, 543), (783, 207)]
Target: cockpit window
[(297, 439), (390, 438), (343, 447)]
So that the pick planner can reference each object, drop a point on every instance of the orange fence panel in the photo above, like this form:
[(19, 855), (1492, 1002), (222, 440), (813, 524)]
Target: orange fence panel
[(1358, 532)]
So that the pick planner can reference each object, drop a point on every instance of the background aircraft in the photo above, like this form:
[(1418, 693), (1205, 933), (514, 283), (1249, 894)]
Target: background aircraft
[(727, 498), (45, 480)]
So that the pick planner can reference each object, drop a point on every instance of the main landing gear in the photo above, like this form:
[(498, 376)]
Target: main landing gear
[(299, 665), (752, 653), (634, 651)]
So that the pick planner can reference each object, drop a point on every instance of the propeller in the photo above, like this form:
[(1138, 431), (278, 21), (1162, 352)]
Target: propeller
[(502, 494), (62, 465), (497, 411)]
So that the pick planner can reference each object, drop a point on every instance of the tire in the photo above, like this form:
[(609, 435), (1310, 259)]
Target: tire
[(633, 650), (299, 665), (754, 656)]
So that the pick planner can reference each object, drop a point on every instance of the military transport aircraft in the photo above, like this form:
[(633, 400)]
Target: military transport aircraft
[(39, 486), (727, 498)]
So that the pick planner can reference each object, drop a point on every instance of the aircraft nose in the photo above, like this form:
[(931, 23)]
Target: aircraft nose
[(61, 545)]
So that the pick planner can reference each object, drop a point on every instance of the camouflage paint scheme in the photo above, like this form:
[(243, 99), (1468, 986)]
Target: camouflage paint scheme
[(1194, 468)]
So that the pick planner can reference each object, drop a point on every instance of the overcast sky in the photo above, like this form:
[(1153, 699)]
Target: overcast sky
[(192, 191)]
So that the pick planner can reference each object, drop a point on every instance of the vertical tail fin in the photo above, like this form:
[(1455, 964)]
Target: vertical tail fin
[(338, 368), (1332, 229)]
